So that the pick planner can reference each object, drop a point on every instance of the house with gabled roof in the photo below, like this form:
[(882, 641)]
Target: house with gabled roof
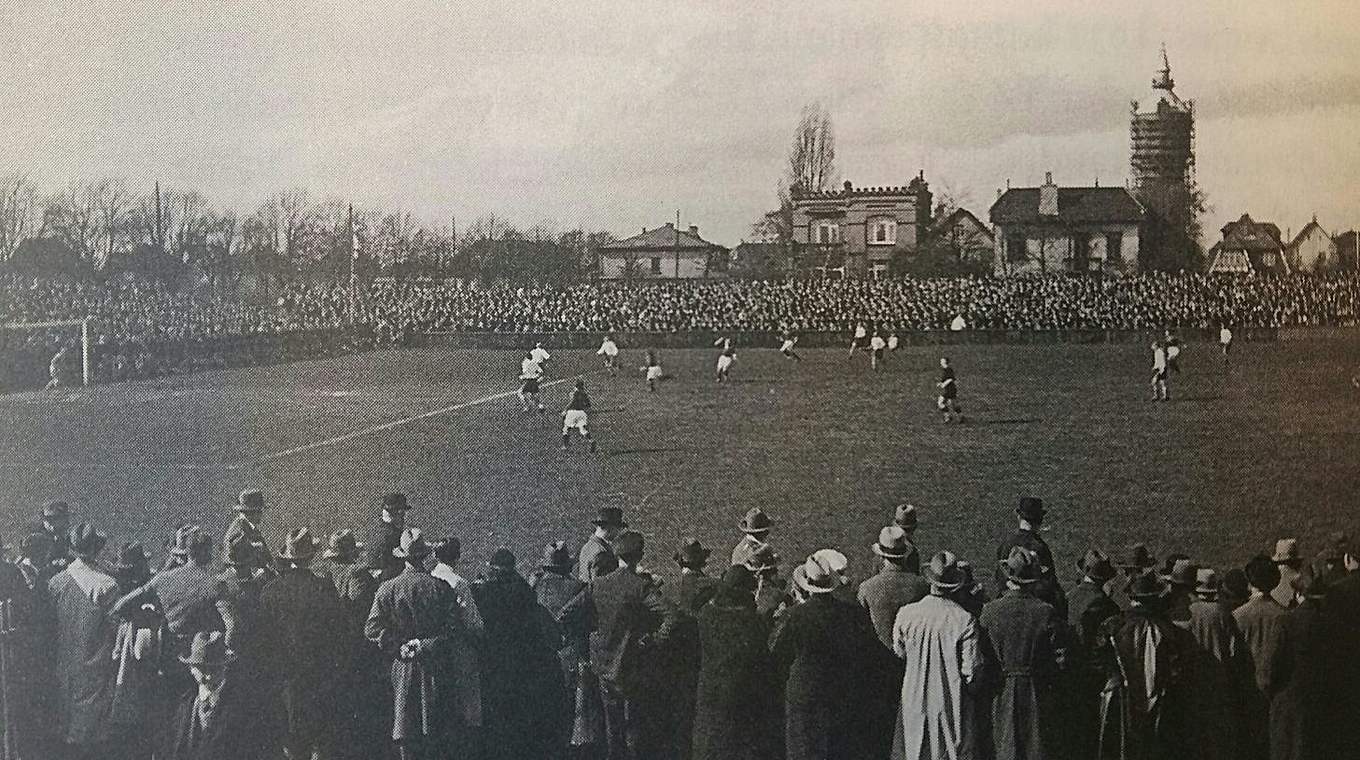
[(1248, 246), (662, 253), (1312, 249), (1051, 229)]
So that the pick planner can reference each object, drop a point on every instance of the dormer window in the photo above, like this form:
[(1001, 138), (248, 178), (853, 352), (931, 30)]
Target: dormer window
[(883, 231)]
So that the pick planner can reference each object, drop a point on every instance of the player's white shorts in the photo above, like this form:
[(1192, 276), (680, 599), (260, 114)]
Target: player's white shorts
[(724, 362), (787, 346), (654, 373), (574, 419)]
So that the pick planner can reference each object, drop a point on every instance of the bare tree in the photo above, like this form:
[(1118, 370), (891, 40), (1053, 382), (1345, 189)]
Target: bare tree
[(812, 156), (18, 213)]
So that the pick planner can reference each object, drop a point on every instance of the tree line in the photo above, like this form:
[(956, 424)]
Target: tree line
[(106, 227)]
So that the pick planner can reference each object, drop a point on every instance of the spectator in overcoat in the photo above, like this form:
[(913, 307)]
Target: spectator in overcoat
[(1089, 608), (1261, 620), (222, 716), (384, 535), (755, 527), (521, 676), (681, 656), (312, 645), (555, 587), (463, 658), (897, 582), (82, 597), (822, 644), (1025, 636), (412, 620), (597, 554), (736, 707), (245, 525), (54, 521), (1141, 718), (338, 558), (1298, 726), (1030, 515), (26, 641), (1213, 672), (939, 643), (137, 704)]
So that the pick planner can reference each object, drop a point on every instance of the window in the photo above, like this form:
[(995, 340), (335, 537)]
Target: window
[(827, 233), (1114, 247), (1015, 247), (878, 270), (656, 265), (882, 231)]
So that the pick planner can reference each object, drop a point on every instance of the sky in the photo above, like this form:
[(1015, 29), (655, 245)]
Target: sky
[(615, 114)]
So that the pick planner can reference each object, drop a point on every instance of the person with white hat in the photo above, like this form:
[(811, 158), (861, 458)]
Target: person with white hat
[(896, 583), (939, 643), (1288, 559)]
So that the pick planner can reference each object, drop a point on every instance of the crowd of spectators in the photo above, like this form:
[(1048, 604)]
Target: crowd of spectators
[(379, 643)]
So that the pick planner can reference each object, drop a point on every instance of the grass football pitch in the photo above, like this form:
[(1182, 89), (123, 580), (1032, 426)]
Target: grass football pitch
[(1264, 447)]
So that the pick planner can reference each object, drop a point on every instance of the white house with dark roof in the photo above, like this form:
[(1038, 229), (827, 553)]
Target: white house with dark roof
[(662, 253), (1051, 229), (1312, 249)]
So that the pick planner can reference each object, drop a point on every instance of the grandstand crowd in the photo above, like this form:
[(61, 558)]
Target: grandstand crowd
[(388, 643)]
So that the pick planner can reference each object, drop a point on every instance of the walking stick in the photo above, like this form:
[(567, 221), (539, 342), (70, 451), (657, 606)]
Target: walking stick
[(7, 630)]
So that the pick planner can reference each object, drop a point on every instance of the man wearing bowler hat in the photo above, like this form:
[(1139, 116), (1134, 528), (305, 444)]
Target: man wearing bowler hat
[(1030, 516), (249, 509), (307, 632), (385, 534), (1090, 610), (756, 527), (694, 588), (597, 554), (222, 716), (1150, 653), (897, 583)]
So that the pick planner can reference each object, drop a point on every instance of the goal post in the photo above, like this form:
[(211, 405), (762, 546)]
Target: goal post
[(84, 325)]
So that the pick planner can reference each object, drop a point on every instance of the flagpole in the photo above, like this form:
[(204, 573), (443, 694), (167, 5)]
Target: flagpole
[(353, 271)]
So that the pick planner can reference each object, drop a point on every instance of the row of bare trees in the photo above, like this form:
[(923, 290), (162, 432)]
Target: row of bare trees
[(107, 227)]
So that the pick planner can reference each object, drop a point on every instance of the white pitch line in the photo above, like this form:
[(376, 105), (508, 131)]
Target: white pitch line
[(385, 426)]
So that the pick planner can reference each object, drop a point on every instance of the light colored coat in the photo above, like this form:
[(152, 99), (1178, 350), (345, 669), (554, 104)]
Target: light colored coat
[(939, 643), (82, 596)]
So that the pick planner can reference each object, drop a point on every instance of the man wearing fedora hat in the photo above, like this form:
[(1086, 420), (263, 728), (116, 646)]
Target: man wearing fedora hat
[(1288, 559), (385, 534), (755, 527), (336, 560), (906, 517), (694, 588), (222, 716), (1030, 513), (555, 586), (897, 582), (241, 586), (771, 590), (597, 554), (1150, 655), (249, 508), (463, 649), (1024, 634), (54, 521), (681, 660), (1261, 620), (310, 647), (413, 617), (1090, 610), (825, 645), (939, 643), (82, 597), (1211, 680)]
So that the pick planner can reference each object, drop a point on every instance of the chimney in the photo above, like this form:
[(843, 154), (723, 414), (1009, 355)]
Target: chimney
[(1048, 196), (848, 186), (694, 230)]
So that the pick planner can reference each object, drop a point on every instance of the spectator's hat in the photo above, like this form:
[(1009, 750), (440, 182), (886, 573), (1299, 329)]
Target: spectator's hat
[(56, 509), (798, 576), (556, 556), (755, 521), (1096, 566), (412, 545), (250, 500), (342, 544), (763, 559), (610, 517), (691, 553), (1262, 573), (502, 559), (1206, 581), (395, 502), (240, 552), (1021, 566), (299, 546), (208, 649), (1139, 559), (630, 543), (189, 539), (816, 577), (1235, 583), (1184, 573), (1146, 585), (1286, 550), (943, 571), (892, 543), (905, 516), (833, 559), (131, 556), (86, 540), (1031, 508), (1169, 563)]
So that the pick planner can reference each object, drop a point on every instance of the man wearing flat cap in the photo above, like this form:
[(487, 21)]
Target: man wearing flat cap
[(82, 598), (1024, 632), (1030, 517), (307, 631), (249, 509)]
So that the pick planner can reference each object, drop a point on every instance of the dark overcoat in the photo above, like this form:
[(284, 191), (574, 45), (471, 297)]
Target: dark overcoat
[(736, 710), (1298, 729), (1261, 621), (242, 727), (886, 593), (311, 645), (416, 605), (555, 590), (524, 712), (1212, 680), (1023, 632)]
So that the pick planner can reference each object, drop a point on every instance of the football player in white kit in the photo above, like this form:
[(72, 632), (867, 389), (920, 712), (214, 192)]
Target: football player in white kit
[(530, 372), (786, 348), (876, 347), (610, 351), (540, 354), (653, 370), (860, 333), (725, 360), (1159, 372)]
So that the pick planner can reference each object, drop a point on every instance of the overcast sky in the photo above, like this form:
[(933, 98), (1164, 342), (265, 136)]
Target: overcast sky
[(614, 114)]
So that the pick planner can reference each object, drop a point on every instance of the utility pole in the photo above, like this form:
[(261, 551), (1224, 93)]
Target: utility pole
[(353, 270), (677, 244)]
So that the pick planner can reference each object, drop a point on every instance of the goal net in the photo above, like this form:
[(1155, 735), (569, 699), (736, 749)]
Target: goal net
[(58, 350)]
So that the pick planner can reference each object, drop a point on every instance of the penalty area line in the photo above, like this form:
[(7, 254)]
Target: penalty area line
[(277, 455)]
